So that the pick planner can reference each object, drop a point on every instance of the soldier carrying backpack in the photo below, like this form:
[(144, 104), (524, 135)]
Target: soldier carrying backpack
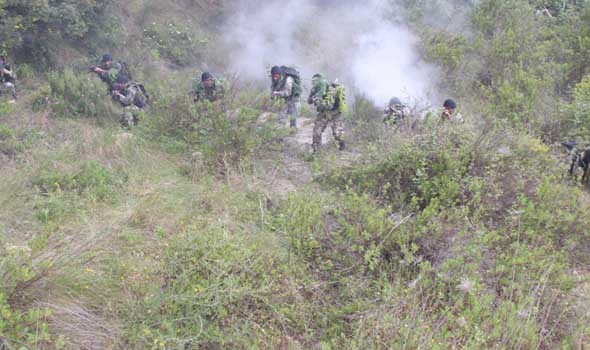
[(286, 84), (330, 102), (133, 97), (109, 71)]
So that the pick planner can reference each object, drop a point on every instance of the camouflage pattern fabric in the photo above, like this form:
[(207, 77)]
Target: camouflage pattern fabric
[(394, 114), (284, 88), (8, 82), (132, 91), (445, 116), (131, 114), (334, 119), (111, 74), (8, 89), (214, 93)]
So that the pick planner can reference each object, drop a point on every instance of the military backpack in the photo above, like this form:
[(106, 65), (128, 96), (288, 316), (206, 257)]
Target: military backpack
[(294, 73)]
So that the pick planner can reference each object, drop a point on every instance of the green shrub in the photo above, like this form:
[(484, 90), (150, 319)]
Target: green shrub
[(36, 30), (93, 180), (77, 95), (9, 144), (176, 43)]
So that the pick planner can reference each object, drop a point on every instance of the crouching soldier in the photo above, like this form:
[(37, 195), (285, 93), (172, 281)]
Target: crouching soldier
[(7, 79), (330, 103), (208, 88), (449, 112), (109, 70), (133, 97), (395, 112)]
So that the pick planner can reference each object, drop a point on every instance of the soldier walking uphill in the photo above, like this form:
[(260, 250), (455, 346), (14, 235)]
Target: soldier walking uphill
[(7, 79), (208, 88), (133, 97), (330, 103), (286, 84)]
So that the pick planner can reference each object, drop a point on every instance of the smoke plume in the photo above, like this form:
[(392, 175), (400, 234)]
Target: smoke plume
[(362, 44)]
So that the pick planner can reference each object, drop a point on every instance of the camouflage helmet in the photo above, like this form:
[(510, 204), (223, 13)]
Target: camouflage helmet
[(395, 101), (449, 103), (276, 70), (206, 76)]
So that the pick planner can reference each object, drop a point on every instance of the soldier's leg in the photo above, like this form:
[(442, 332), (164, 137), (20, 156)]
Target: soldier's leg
[(127, 118), (319, 126), (338, 130), (293, 113), (10, 89)]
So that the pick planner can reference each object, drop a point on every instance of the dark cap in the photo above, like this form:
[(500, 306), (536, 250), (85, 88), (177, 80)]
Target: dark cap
[(395, 101), (107, 57), (206, 76), (276, 70), (122, 79), (449, 103)]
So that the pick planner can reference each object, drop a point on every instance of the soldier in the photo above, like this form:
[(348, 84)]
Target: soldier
[(207, 88), (330, 102), (132, 97), (395, 111), (7, 79), (448, 112), (109, 70), (286, 84)]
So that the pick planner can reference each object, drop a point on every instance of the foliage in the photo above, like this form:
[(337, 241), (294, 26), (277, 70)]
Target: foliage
[(93, 179), (35, 30), (175, 43), (74, 95)]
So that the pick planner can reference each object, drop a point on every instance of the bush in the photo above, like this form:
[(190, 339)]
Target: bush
[(176, 43), (76, 95), (226, 135), (93, 179)]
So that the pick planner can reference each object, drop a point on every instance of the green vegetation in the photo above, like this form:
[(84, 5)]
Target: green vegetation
[(199, 231)]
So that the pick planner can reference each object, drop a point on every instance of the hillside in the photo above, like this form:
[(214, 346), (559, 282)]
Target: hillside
[(211, 225)]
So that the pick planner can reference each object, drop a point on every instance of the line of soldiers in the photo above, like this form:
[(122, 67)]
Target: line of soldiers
[(328, 98), (397, 111)]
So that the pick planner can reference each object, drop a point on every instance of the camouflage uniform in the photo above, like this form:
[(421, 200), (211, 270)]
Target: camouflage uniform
[(325, 100), (394, 114), (446, 116), (285, 91), (214, 93), (110, 75), (7, 81), (134, 102)]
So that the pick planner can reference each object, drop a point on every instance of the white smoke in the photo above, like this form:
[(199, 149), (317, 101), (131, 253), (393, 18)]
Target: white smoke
[(362, 45)]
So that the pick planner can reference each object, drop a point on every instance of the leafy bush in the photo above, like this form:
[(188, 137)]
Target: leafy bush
[(35, 30), (225, 135), (176, 43), (92, 179), (77, 95)]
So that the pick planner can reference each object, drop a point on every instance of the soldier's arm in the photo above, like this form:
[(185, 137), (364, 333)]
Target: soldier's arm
[(127, 100)]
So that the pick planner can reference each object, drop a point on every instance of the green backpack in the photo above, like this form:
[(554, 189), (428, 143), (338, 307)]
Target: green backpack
[(294, 73), (340, 93)]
